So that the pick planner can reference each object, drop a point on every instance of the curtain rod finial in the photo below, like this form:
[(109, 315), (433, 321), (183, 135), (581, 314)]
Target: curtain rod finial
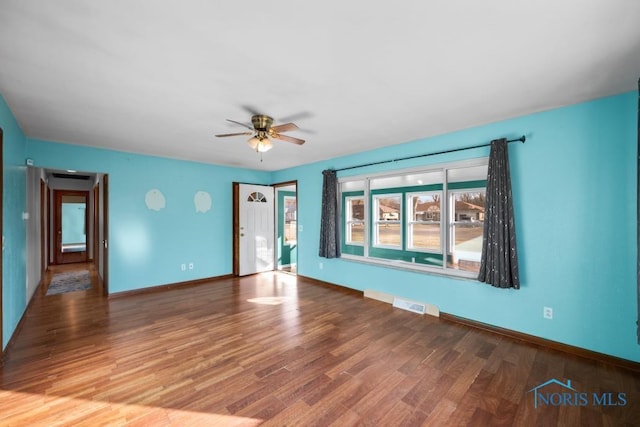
[(521, 139)]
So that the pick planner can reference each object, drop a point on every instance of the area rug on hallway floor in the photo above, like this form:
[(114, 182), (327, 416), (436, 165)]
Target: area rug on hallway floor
[(69, 282)]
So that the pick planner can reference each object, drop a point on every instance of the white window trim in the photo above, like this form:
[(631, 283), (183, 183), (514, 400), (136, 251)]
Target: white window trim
[(377, 222), (348, 222), (410, 222), (404, 265), (452, 222)]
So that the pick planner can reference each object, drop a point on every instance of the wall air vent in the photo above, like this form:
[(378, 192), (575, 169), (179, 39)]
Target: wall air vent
[(71, 176)]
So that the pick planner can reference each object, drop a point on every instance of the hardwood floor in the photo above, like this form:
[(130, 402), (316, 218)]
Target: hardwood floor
[(276, 349)]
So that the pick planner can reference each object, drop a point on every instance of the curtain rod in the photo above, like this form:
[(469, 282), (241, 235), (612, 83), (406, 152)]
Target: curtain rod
[(521, 139)]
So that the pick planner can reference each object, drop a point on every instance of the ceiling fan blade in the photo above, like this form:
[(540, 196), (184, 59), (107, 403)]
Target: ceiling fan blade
[(250, 109), (235, 134), (287, 127), (241, 124), (288, 138), (296, 116)]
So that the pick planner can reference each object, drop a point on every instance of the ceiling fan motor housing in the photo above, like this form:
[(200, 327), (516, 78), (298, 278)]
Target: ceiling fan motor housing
[(261, 122)]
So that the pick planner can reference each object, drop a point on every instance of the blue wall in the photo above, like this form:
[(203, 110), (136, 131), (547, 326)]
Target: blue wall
[(147, 247), (14, 279), (574, 185)]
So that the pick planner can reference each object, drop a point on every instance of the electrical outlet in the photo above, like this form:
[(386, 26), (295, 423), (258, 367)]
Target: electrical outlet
[(183, 267), (190, 266), (321, 266), (547, 313)]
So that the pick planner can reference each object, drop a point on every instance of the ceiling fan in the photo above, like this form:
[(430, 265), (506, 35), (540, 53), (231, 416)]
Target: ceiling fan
[(262, 130)]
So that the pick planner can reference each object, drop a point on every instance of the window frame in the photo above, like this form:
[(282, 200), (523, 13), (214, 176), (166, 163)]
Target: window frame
[(375, 223), (410, 222), (349, 222), (451, 223)]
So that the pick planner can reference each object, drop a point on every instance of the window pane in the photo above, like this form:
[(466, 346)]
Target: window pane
[(468, 174), (388, 208), (355, 209), (387, 212), (354, 220), (357, 185), (467, 229), (356, 233), (425, 207), (388, 234), (425, 236), (424, 216), (414, 179)]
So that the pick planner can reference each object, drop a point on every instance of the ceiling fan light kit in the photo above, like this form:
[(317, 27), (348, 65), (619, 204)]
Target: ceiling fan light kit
[(260, 144), (263, 129)]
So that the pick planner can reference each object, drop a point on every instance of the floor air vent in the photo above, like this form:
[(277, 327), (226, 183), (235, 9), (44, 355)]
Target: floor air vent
[(416, 307)]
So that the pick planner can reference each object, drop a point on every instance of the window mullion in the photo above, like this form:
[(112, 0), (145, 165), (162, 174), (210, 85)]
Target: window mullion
[(368, 226), (444, 228)]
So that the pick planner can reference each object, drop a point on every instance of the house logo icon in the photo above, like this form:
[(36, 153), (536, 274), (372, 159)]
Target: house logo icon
[(554, 399)]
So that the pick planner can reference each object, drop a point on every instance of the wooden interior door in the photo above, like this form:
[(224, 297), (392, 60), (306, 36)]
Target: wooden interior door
[(70, 226)]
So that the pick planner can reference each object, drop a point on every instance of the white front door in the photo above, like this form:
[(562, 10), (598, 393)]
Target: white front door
[(257, 232)]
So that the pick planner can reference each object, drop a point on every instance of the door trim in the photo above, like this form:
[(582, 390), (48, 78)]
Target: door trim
[(43, 230), (277, 215), (105, 234), (235, 227), (96, 225)]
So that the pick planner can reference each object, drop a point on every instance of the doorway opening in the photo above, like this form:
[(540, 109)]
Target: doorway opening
[(287, 228), (72, 207)]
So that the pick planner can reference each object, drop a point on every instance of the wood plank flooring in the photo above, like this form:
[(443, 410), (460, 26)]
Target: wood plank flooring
[(277, 350)]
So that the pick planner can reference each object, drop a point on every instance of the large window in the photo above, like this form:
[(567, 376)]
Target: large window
[(431, 219)]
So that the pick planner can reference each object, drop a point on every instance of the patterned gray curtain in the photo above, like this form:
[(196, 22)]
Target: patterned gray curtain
[(499, 261), (329, 228)]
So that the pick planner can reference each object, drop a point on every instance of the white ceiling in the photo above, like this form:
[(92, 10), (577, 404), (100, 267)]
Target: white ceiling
[(161, 77)]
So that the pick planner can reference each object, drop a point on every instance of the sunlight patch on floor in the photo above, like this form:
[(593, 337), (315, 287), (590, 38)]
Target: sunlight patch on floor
[(61, 410), (270, 300)]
